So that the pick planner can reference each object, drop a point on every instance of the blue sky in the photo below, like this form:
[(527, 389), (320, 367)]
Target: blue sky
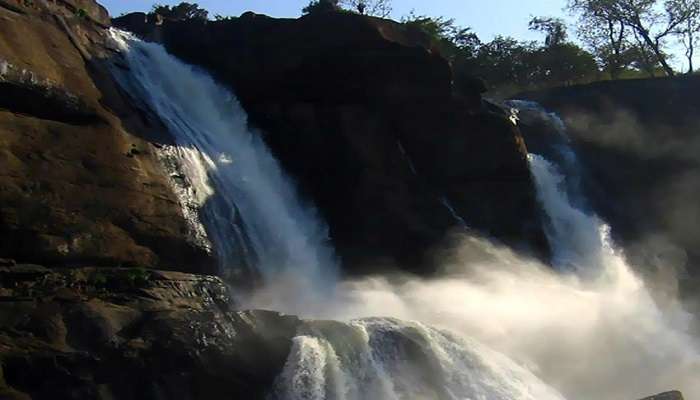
[(487, 18)]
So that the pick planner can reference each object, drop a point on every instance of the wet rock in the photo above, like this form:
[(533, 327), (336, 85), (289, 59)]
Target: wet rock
[(6, 262), (68, 195), (99, 333)]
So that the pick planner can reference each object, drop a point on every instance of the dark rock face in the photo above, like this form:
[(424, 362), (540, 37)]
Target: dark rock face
[(362, 114), (80, 184), (101, 333), (673, 395), (639, 144)]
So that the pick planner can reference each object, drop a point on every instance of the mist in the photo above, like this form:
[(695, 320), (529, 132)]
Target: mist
[(588, 325), (603, 338)]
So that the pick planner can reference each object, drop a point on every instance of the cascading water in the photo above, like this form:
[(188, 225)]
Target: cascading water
[(589, 336), (579, 241), (592, 330), (388, 359), (227, 177)]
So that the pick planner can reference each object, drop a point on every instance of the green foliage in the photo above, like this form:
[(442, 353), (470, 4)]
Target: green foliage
[(81, 13), (452, 41), (99, 279), (376, 8), (181, 12), (138, 276), (506, 64), (554, 28), (321, 6), (616, 29)]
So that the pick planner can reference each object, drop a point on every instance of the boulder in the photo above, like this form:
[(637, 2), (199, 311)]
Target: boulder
[(106, 333)]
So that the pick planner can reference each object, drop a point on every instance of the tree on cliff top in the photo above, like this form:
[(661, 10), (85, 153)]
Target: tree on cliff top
[(651, 22), (451, 40), (559, 61), (376, 8), (554, 28), (689, 31), (181, 12), (320, 6)]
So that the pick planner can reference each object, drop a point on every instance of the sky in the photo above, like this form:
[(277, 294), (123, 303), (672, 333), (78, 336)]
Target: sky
[(487, 18)]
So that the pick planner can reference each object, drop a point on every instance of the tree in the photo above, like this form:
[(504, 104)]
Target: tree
[(505, 60), (376, 8), (453, 42), (508, 65), (642, 58), (605, 35), (553, 28), (643, 18), (321, 6), (559, 62), (563, 64), (180, 12), (689, 31)]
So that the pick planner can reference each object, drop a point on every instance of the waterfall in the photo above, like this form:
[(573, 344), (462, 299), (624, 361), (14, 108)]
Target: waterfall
[(388, 359), (226, 177), (494, 325), (458, 218), (579, 241)]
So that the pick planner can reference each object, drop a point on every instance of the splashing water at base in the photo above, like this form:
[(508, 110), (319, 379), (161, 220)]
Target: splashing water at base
[(590, 339), (592, 332), (383, 358)]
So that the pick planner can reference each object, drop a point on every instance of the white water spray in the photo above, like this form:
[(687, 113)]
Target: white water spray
[(388, 359), (231, 179)]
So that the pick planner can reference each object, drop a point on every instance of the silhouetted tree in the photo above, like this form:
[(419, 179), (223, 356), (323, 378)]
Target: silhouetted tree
[(651, 21), (182, 11), (376, 8), (605, 35), (688, 32), (553, 28), (320, 6)]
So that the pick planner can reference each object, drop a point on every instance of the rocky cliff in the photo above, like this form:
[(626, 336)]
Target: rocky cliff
[(79, 182), (639, 143), (362, 113)]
